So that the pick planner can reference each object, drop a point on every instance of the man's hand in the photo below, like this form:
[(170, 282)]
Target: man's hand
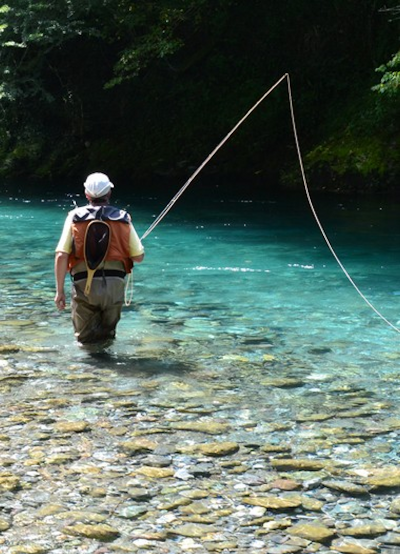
[(59, 300), (60, 270)]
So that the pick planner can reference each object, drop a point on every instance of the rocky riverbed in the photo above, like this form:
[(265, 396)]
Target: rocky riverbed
[(110, 455)]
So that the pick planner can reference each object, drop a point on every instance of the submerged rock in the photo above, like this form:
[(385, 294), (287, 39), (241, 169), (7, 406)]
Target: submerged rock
[(9, 482), (102, 532), (207, 427), (291, 464), (352, 547), (72, 426), (274, 502), (364, 529), (193, 530), (155, 472), (213, 449), (316, 532)]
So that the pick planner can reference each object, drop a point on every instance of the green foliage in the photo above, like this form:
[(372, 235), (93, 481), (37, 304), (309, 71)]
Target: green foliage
[(362, 143), (390, 81), (151, 86)]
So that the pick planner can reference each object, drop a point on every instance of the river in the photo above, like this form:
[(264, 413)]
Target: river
[(239, 308)]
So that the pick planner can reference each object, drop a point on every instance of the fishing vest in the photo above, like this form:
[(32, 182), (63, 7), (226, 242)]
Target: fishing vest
[(120, 224)]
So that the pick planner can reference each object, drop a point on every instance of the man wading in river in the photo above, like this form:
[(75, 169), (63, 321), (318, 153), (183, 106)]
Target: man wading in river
[(98, 246)]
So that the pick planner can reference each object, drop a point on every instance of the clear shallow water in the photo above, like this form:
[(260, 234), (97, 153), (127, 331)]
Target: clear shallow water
[(223, 278), (240, 317)]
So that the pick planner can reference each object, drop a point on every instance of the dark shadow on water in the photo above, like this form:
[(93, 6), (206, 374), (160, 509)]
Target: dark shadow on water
[(132, 366)]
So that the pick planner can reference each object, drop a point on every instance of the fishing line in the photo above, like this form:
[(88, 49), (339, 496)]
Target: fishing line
[(128, 293), (306, 188), (316, 216), (223, 141)]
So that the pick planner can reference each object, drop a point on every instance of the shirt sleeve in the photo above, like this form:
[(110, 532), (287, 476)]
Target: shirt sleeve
[(65, 242), (135, 245)]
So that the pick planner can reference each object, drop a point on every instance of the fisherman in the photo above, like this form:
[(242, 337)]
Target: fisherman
[(98, 284)]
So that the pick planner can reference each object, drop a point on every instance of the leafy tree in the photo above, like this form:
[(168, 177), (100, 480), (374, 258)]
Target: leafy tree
[(390, 81), (146, 85)]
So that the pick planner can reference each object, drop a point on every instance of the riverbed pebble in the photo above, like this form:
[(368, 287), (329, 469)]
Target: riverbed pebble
[(190, 462)]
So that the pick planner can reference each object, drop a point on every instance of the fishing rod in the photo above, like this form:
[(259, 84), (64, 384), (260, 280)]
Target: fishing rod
[(171, 203), (211, 155)]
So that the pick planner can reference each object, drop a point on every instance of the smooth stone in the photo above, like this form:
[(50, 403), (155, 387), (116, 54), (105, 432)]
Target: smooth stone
[(81, 515), (131, 512), (7, 462), (303, 418), (183, 474), (290, 464), (285, 549), (28, 548), (383, 477), (72, 426), (197, 508), (284, 485), (390, 538), (155, 472), (157, 461), (138, 445), (101, 532), (347, 547), (209, 427), (238, 470), (282, 383), (208, 520), (213, 449), (273, 502), (257, 521), (96, 492), (9, 348), (228, 546), (150, 535), (169, 506), (4, 525), (310, 503), (364, 530), (195, 494), (269, 358), (50, 510), (139, 494), (276, 448), (345, 486), (192, 530), (314, 531), (9, 482), (59, 459)]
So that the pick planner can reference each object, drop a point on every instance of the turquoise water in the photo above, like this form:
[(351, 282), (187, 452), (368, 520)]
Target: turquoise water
[(223, 277)]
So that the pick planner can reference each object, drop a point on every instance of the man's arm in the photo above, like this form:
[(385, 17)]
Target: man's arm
[(60, 271), (136, 249)]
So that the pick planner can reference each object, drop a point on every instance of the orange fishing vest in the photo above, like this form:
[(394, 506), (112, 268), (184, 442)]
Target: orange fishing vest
[(120, 224)]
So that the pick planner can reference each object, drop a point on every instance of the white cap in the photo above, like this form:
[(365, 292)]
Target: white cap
[(97, 185)]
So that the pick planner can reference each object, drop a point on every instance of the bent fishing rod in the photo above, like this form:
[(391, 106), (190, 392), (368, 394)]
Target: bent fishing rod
[(171, 203)]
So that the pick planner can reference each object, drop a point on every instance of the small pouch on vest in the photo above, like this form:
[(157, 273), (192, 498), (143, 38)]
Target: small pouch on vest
[(96, 245)]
